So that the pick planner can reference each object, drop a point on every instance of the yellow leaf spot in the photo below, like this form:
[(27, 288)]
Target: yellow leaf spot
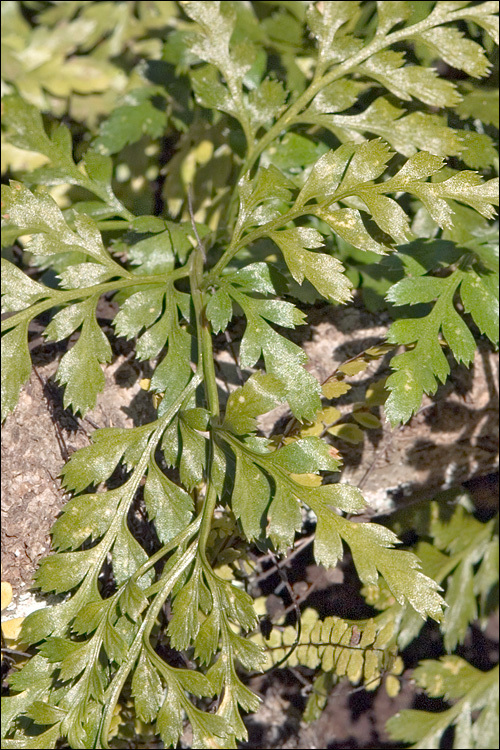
[(334, 388), (452, 665), (330, 415), (204, 152), (354, 367), (313, 431), (392, 686), (398, 666), (348, 432), (367, 419), (307, 480), (376, 394), (11, 629), (6, 594)]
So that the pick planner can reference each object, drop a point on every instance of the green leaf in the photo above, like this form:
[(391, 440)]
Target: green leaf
[(114, 644), (207, 640), (151, 255), (350, 433), (67, 320), (294, 152), (19, 291), (250, 497), (407, 81), (465, 187), (167, 504), (174, 371), (47, 739), (140, 310), (478, 150), (304, 456), (325, 175), (448, 44), (26, 131), (133, 601), (210, 92), (327, 541), (481, 301), (270, 184), (40, 216), (480, 103), (83, 275), (197, 418), (390, 14), (55, 619), (406, 134), (260, 394), (238, 605), (184, 625), (128, 556), (419, 370), (195, 682), (327, 22), (95, 463), (259, 277), (265, 102), (348, 224), (193, 456), (462, 606), (420, 727), (43, 713), (283, 360), (147, 689), (16, 365), (371, 545), (169, 720), (284, 518), (219, 310), (79, 369), (247, 652), (84, 517), (413, 291), (155, 338), (324, 272), (453, 674), (336, 97), (64, 571), (143, 112), (89, 617)]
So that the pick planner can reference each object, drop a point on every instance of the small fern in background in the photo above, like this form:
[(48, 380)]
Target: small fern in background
[(314, 148)]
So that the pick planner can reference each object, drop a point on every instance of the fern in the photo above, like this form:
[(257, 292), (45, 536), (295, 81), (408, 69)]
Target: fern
[(473, 690), (358, 650), (282, 167)]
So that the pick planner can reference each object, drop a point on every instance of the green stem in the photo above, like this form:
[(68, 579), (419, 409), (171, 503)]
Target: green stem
[(206, 522), (376, 45), (168, 580), (176, 542), (113, 224), (58, 297), (205, 350), (115, 688), (238, 244)]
